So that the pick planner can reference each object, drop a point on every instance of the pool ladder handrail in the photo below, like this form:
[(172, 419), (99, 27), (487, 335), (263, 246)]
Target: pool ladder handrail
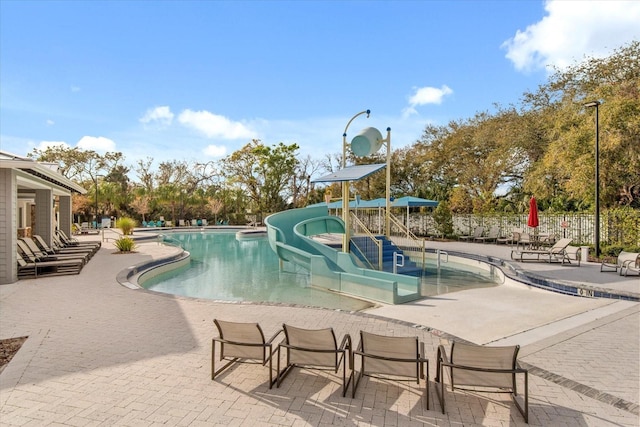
[(439, 253), (167, 240), (397, 256)]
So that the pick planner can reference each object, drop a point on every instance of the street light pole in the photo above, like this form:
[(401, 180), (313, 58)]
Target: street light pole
[(96, 216), (596, 104)]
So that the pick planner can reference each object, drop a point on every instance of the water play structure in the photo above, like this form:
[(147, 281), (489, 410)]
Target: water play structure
[(291, 235)]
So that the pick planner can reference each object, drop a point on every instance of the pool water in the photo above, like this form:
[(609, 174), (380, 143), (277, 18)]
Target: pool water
[(224, 268)]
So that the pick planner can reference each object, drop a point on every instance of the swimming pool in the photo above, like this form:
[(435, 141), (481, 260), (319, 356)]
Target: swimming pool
[(225, 268)]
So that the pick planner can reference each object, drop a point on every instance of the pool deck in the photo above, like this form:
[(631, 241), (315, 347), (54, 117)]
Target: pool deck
[(102, 354)]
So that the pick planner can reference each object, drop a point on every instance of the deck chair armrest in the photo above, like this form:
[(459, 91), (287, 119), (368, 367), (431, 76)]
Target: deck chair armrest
[(346, 342), (441, 358), (629, 262), (270, 341)]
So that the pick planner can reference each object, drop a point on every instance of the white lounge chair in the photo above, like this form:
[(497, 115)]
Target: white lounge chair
[(477, 232), (626, 261)]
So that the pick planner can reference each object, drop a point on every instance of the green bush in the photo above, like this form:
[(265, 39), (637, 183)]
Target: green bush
[(126, 225), (125, 244), (443, 218)]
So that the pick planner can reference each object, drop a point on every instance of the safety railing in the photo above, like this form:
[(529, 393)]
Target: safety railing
[(371, 242)]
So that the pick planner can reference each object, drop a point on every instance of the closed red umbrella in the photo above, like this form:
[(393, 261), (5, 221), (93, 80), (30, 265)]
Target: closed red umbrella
[(533, 213)]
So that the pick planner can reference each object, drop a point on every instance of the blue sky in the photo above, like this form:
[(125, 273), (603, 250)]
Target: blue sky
[(197, 80)]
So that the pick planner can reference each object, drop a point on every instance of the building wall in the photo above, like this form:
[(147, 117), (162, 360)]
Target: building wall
[(8, 226)]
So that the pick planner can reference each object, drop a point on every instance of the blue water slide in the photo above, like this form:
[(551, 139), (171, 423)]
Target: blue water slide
[(290, 235)]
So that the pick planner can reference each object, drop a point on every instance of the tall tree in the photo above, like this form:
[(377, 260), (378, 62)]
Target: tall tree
[(264, 173)]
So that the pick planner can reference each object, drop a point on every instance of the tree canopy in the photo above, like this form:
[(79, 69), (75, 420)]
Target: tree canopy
[(493, 161)]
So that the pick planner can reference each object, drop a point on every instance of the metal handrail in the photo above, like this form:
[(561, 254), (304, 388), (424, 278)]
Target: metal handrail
[(404, 230), (167, 240), (418, 244), (371, 236)]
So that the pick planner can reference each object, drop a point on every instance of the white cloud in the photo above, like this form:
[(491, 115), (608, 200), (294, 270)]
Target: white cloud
[(426, 95), (99, 144), (75, 89), (213, 125), (572, 30), (50, 122), (47, 144), (215, 151), (159, 115)]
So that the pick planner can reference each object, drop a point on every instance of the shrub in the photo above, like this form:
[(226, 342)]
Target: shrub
[(126, 225), (443, 218), (125, 244)]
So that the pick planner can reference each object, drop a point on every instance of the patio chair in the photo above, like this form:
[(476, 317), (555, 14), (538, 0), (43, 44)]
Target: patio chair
[(28, 268), (477, 232), (492, 236), (315, 348), (630, 266), (623, 262), (181, 223), (389, 357), (482, 369), (241, 343), (556, 252), (204, 222)]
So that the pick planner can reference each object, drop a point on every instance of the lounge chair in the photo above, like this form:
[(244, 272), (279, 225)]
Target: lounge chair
[(557, 252), (40, 256), (37, 243), (626, 261), (477, 232), (315, 348), (492, 236), (28, 268), (397, 358), (68, 241), (204, 222), (482, 369), (181, 223), (242, 343), (87, 246)]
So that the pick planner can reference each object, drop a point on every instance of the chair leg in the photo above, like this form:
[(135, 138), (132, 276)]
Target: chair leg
[(427, 384)]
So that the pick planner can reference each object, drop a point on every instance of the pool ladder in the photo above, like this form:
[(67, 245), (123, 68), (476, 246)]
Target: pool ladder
[(439, 254)]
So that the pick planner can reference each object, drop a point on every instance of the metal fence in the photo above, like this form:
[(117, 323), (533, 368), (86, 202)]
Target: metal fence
[(615, 228)]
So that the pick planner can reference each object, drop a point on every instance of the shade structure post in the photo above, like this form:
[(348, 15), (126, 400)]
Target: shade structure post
[(345, 186), (387, 221)]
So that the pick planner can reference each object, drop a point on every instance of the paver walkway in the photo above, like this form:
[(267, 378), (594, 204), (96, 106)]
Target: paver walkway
[(101, 354)]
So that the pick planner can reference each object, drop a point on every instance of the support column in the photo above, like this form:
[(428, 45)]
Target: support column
[(65, 214), (44, 215), (8, 226)]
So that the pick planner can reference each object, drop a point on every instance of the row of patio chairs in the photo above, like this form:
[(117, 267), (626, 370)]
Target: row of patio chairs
[(36, 257), (493, 235), (470, 367)]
